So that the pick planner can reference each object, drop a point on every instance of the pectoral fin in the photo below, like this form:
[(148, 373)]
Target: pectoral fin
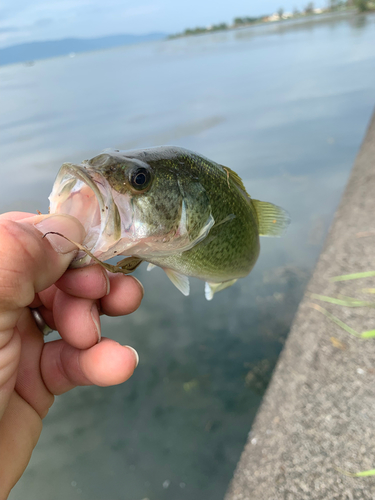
[(211, 288), (272, 219), (180, 281), (150, 266), (196, 213)]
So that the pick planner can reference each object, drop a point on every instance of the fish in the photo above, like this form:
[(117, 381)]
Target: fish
[(170, 207)]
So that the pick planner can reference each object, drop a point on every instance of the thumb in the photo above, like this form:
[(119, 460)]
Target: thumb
[(31, 262)]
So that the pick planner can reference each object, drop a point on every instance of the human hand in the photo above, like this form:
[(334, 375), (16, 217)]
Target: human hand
[(32, 275)]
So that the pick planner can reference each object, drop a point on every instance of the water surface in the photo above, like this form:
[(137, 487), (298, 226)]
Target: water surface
[(287, 109)]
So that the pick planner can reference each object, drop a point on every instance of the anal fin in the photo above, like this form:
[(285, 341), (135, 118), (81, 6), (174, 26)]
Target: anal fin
[(211, 288)]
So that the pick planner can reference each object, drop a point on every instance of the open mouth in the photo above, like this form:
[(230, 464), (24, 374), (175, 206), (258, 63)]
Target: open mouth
[(86, 195)]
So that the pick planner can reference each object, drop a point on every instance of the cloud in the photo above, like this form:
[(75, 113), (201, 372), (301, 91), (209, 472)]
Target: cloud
[(42, 20), (9, 29), (26, 13), (140, 10), (45, 21)]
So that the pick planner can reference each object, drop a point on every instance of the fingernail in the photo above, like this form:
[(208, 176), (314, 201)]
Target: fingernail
[(140, 284), (65, 225), (106, 277), (96, 320), (135, 354)]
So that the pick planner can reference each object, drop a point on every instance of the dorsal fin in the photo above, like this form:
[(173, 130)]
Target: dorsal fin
[(273, 220), (235, 178)]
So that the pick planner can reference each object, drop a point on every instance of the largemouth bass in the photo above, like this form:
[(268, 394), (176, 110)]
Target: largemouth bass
[(170, 207)]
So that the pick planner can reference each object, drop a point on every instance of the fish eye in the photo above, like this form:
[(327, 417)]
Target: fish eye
[(140, 178)]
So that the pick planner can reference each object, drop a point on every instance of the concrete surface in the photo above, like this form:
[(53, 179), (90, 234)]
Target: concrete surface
[(319, 411)]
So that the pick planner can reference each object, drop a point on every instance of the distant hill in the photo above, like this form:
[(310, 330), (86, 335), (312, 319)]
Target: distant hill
[(52, 48)]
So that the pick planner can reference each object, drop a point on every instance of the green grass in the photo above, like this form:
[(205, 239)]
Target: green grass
[(364, 473), (348, 302), (355, 276), (344, 301)]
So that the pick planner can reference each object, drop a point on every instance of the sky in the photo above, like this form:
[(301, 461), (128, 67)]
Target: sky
[(31, 20)]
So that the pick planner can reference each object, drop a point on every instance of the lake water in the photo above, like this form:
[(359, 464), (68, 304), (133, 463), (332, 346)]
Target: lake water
[(284, 105)]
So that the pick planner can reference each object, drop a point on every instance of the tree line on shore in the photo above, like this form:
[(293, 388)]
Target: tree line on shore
[(309, 9)]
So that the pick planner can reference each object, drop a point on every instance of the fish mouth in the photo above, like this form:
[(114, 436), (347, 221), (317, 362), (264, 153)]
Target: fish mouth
[(85, 194)]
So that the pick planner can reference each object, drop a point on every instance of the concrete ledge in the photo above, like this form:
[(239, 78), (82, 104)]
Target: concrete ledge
[(319, 411)]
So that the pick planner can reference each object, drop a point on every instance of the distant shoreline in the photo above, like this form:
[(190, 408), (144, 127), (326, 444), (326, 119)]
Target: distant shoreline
[(29, 53), (290, 20)]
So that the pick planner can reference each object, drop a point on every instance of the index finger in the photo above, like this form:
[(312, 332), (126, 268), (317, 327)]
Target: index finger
[(16, 215)]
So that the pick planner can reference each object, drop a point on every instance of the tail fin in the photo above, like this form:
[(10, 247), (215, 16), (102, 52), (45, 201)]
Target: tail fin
[(273, 220)]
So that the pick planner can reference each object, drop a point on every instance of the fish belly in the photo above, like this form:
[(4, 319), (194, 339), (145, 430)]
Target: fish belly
[(226, 253)]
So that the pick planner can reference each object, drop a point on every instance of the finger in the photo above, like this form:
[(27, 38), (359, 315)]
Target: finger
[(43, 301), (36, 302), (47, 297), (89, 282), (73, 318), (77, 320), (107, 363), (30, 385), (125, 296), (9, 360), (31, 263), (16, 215)]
